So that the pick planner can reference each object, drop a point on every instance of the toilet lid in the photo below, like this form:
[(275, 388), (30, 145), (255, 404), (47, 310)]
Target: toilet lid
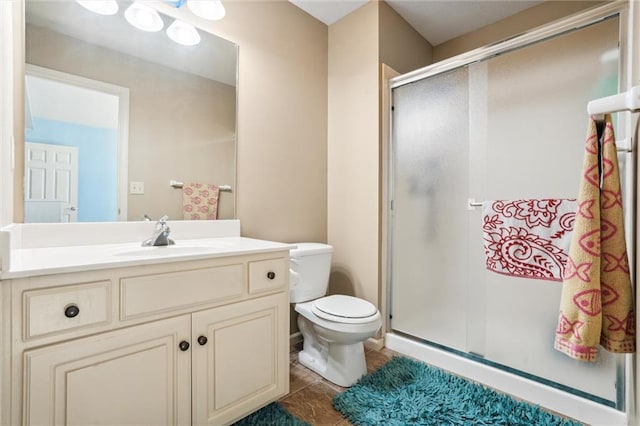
[(345, 306)]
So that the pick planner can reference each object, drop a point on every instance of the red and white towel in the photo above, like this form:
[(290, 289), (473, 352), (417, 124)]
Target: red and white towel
[(528, 238)]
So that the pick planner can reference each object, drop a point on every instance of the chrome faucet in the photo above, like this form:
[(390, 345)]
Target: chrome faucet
[(160, 235)]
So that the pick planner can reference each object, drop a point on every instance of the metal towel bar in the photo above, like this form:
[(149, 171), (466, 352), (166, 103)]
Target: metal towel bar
[(178, 185)]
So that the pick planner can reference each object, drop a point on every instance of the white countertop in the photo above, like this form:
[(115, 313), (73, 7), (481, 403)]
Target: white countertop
[(29, 262)]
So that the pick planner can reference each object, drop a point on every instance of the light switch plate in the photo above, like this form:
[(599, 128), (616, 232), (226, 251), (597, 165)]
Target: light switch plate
[(136, 188)]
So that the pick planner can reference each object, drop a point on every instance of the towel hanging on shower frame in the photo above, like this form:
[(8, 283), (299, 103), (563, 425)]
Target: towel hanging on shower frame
[(596, 306)]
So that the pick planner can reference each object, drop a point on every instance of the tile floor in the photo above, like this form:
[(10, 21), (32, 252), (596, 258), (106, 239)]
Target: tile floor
[(310, 395)]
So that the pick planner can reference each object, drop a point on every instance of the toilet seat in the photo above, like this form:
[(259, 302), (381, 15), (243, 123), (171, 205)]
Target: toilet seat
[(344, 309)]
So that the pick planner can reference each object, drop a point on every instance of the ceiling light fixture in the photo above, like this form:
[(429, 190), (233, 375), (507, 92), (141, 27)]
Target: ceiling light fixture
[(207, 9), (102, 7), (183, 33), (143, 17)]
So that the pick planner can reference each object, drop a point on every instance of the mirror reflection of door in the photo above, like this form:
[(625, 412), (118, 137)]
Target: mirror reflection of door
[(72, 157), (51, 184)]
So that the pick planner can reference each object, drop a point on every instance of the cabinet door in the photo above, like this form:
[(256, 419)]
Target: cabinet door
[(137, 375), (244, 363)]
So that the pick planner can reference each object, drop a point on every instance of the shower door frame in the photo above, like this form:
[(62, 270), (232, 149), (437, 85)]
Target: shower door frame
[(629, 75)]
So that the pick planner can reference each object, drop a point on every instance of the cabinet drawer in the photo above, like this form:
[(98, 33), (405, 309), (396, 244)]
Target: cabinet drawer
[(157, 293), (48, 311), (265, 275)]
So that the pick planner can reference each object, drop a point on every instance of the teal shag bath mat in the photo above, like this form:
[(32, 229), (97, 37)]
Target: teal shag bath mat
[(271, 415), (406, 392)]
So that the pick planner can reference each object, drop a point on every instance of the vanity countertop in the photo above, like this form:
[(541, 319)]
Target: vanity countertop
[(28, 262)]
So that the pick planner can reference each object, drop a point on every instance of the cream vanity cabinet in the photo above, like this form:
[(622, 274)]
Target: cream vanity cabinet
[(195, 342)]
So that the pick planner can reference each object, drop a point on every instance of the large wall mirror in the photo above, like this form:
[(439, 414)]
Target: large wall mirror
[(118, 119)]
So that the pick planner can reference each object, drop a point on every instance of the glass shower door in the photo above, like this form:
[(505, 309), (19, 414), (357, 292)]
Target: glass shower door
[(431, 175), (511, 127)]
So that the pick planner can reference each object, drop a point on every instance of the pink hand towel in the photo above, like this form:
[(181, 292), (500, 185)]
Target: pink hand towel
[(200, 201)]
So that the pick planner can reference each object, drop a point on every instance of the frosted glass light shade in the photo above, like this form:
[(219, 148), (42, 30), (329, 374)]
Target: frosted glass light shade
[(207, 9), (183, 33), (143, 17), (102, 7)]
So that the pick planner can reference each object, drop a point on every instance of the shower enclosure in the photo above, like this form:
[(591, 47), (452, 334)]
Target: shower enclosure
[(509, 125)]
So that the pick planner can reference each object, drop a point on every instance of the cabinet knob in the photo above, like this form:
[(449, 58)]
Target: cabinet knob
[(202, 340), (184, 345), (71, 311), (271, 275)]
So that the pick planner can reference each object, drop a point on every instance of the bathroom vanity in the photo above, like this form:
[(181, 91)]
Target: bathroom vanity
[(194, 333)]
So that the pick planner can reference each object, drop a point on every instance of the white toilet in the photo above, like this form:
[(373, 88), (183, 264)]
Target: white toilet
[(333, 327)]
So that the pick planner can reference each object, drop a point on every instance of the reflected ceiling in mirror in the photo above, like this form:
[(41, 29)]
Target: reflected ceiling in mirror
[(175, 117)]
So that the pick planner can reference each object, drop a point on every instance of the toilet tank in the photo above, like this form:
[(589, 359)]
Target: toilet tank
[(310, 267)]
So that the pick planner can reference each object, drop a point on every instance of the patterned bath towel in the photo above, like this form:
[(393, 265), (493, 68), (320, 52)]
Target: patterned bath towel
[(200, 201), (596, 305), (528, 238)]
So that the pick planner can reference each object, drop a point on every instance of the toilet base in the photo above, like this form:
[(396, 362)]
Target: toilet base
[(342, 364)]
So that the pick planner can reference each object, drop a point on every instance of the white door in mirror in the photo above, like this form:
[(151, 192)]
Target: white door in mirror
[(51, 184)]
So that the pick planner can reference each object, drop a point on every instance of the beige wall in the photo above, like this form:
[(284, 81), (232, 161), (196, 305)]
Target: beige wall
[(401, 47), (282, 118), (353, 153), (528, 19), (358, 43), (181, 126)]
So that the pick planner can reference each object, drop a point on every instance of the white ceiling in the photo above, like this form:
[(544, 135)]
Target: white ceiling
[(328, 11), (436, 20)]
